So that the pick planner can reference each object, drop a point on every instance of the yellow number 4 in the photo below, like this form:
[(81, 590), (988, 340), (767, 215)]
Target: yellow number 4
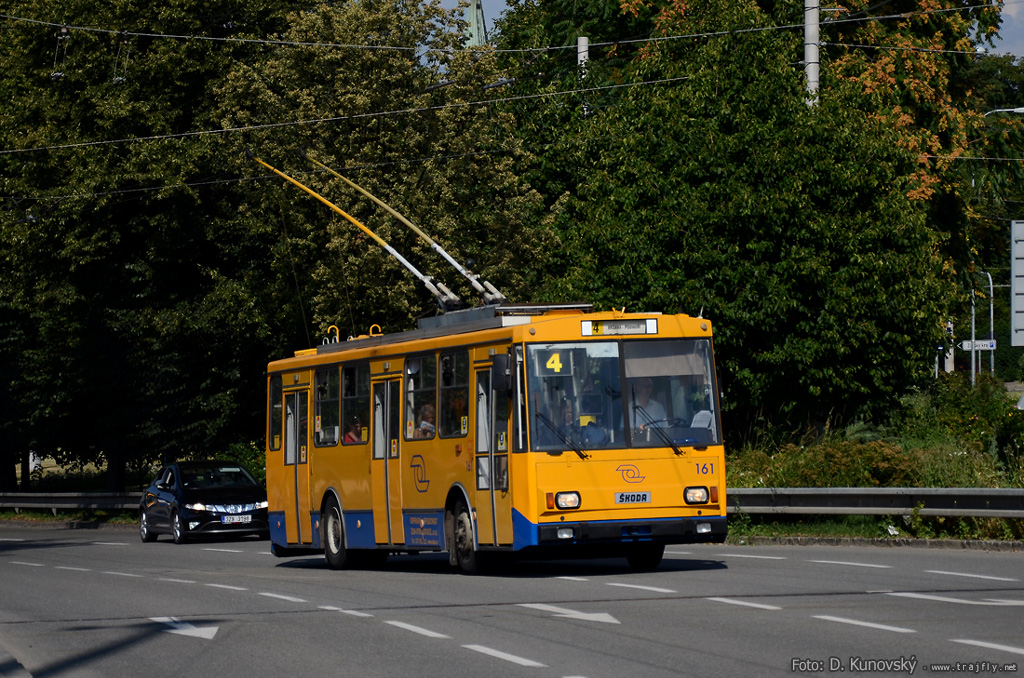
[(554, 363)]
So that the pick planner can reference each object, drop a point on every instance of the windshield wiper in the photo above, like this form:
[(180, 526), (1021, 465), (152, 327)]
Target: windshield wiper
[(566, 438), (665, 438)]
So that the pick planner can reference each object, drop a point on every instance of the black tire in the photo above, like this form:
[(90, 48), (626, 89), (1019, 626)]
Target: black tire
[(466, 557), (338, 557), (145, 533), (178, 529), (646, 556)]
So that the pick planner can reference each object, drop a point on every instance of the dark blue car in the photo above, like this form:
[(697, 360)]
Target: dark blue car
[(196, 498)]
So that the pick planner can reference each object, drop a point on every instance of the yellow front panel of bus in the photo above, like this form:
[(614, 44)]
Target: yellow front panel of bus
[(640, 487)]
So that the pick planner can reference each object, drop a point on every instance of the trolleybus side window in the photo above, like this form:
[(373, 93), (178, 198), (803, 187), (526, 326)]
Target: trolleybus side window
[(355, 403), (421, 394), (326, 430), (454, 414), (276, 413)]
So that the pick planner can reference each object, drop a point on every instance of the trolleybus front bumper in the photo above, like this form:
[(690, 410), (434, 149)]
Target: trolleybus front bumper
[(688, 530)]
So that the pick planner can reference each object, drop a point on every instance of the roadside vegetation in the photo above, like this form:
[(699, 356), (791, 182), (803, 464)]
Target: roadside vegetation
[(946, 434)]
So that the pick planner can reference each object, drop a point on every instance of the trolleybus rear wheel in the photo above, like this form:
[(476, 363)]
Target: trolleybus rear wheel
[(465, 555), (337, 555)]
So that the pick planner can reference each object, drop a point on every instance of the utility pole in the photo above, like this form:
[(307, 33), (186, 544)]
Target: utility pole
[(582, 61), (812, 14), (477, 29)]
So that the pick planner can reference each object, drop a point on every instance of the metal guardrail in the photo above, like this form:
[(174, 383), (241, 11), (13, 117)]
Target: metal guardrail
[(852, 501), (71, 501), (962, 502)]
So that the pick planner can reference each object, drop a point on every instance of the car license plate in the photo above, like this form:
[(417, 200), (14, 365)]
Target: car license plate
[(632, 497), (236, 519)]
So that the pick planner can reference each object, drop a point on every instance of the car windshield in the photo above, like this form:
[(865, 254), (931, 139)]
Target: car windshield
[(215, 476), (633, 393)]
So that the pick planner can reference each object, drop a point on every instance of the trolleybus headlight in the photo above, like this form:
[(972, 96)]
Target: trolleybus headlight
[(566, 533), (696, 495), (567, 500), (703, 528)]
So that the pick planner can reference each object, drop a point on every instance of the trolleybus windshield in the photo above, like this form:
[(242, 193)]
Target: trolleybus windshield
[(614, 394)]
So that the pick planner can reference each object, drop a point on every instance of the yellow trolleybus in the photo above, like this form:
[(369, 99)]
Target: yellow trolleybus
[(523, 429)]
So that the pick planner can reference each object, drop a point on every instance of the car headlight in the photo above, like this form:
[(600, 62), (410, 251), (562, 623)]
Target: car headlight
[(198, 506)]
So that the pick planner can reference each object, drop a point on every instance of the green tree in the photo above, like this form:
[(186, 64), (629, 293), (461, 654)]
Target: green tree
[(146, 283), (799, 231)]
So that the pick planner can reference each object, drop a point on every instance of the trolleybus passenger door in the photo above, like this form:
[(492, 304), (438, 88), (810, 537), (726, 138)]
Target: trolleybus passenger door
[(386, 465), (494, 502), (296, 461)]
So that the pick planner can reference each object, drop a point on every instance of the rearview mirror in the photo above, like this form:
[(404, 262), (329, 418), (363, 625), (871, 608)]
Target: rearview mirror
[(500, 374)]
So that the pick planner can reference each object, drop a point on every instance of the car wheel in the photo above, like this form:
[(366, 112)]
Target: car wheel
[(178, 529), (145, 533)]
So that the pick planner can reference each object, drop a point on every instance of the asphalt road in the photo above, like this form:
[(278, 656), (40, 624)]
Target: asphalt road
[(99, 603)]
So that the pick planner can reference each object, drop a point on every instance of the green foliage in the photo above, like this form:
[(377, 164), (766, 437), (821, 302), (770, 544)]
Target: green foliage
[(144, 285), (826, 464), (251, 456), (979, 422), (791, 227)]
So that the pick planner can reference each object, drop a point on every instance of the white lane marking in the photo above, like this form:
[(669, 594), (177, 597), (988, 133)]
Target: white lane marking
[(573, 578), (843, 562), (881, 627), (1005, 601), (566, 613), (229, 588), (417, 629), (961, 601), (185, 629), (224, 550), (989, 646), (745, 603), (110, 543), (72, 569), (507, 657), (743, 555), (973, 576), (354, 613), (678, 553), (22, 562), (290, 599), (123, 574), (11, 539), (177, 581), (642, 588)]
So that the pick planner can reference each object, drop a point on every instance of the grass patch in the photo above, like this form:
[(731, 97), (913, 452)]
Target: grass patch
[(93, 517)]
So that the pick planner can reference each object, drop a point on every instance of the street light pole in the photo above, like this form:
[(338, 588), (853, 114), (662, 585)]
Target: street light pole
[(1019, 109)]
